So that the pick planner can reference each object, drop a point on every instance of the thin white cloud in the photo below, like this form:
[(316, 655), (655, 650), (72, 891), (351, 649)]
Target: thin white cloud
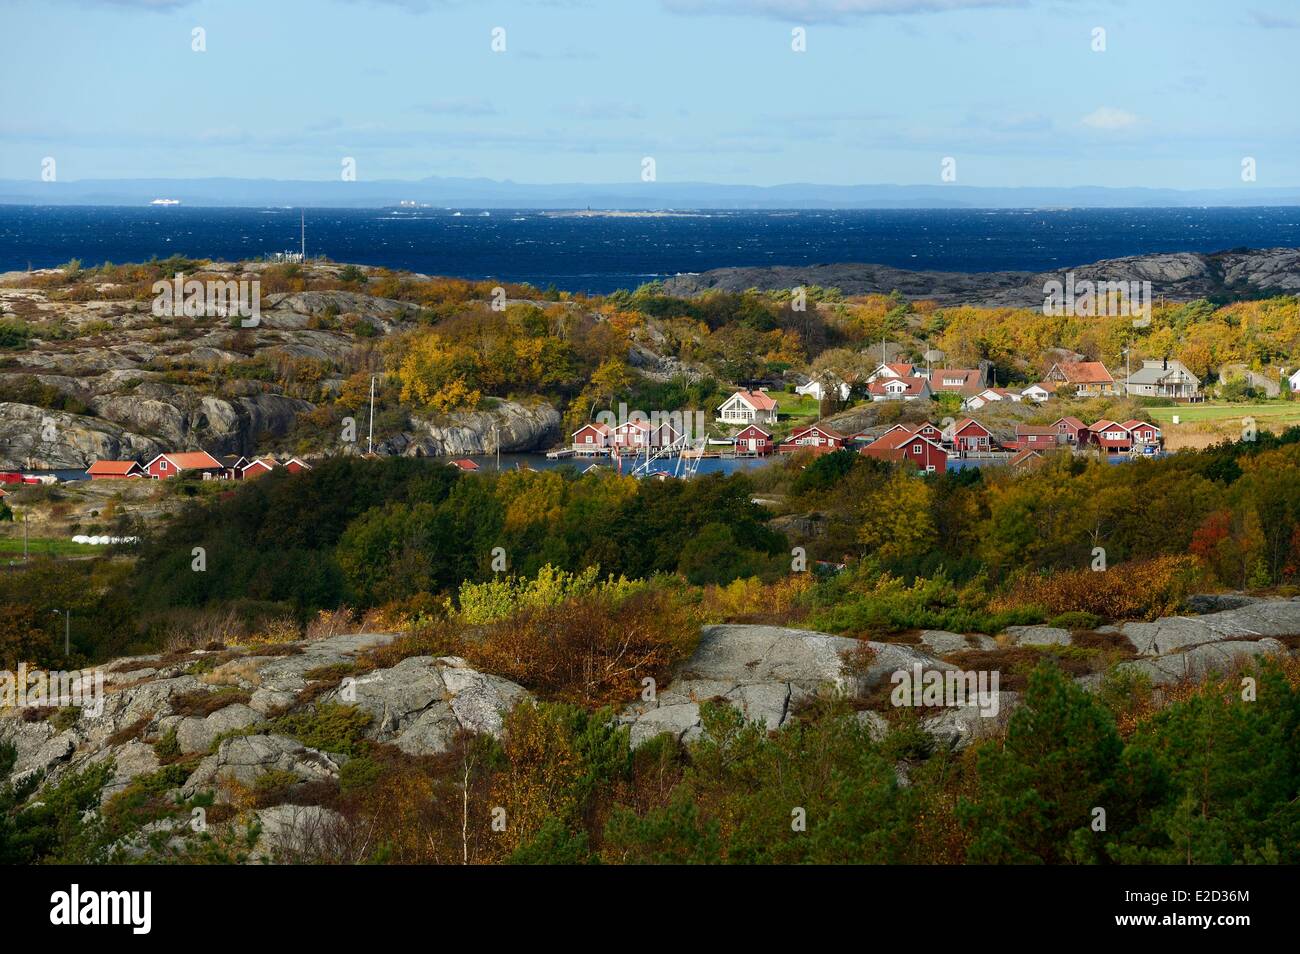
[(1271, 21), (1109, 118)]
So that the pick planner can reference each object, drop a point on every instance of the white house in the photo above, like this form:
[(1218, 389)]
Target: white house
[(1040, 392), (892, 371), (1295, 381), (899, 389), (988, 396), (822, 385), (748, 407), (1163, 378)]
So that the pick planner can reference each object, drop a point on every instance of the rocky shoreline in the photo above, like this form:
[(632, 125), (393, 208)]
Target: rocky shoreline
[(1178, 276)]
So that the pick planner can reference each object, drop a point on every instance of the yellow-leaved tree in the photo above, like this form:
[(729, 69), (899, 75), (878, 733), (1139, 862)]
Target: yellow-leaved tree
[(895, 521)]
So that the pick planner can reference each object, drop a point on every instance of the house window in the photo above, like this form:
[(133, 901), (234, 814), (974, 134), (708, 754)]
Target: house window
[(916, 449), (162, 465)]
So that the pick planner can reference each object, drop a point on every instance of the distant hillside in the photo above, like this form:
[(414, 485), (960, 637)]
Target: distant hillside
[(1182, 276)]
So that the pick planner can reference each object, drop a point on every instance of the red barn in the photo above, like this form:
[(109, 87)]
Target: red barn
[(754, 440), (172, 465), (114, 470), (915, 449)]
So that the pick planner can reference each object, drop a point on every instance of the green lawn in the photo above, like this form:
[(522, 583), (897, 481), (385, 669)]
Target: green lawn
[(46, 546), (1274, 412), (797, 409)]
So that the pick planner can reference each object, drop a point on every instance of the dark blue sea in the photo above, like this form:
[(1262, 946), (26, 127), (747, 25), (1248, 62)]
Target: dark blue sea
[(600, 254)]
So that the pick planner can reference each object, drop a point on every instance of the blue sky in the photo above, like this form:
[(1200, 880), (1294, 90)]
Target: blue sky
[(710, 88)]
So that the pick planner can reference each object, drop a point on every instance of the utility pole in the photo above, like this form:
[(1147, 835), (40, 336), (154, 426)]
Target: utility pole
[(24, 536), (370, 439), (303, 222)]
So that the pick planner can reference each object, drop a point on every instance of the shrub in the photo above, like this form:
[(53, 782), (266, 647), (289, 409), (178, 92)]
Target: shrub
[(1075, 620), (1137, 590), (328, 726), (589, 651)]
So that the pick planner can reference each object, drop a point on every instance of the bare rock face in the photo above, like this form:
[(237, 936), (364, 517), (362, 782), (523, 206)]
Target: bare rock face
[(422, 703), (241, 761), (1250, 620), (49, 440), (517, 427), (154, 384), (765, 671)]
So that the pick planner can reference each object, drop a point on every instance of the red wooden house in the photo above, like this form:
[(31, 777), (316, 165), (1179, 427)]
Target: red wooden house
[(114, 470), (172, 465), (1111, 437), (754, 440), (1036, 437), (259, 467), (1144, 432), (295, 465), (914, 449), (815, 437), (636, 435), (592, 438), (1073, 430), (969, 435), (465, 464)]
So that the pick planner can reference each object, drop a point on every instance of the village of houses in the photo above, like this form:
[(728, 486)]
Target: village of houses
[(752, 418)]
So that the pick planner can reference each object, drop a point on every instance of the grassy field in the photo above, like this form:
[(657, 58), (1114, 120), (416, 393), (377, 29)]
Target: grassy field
[(45, 546), (1274, 412), (797, 409)]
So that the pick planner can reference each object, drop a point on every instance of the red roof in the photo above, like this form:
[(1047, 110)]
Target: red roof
[(193, 460), (902, 370), (1085, 372), (966, 422), (758, 400), (827, 431), (970, 379), (1041, 430), (1024, 455), (912, 385), (1134, 422), (112, 468), (1073, 422), (464, 463)]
